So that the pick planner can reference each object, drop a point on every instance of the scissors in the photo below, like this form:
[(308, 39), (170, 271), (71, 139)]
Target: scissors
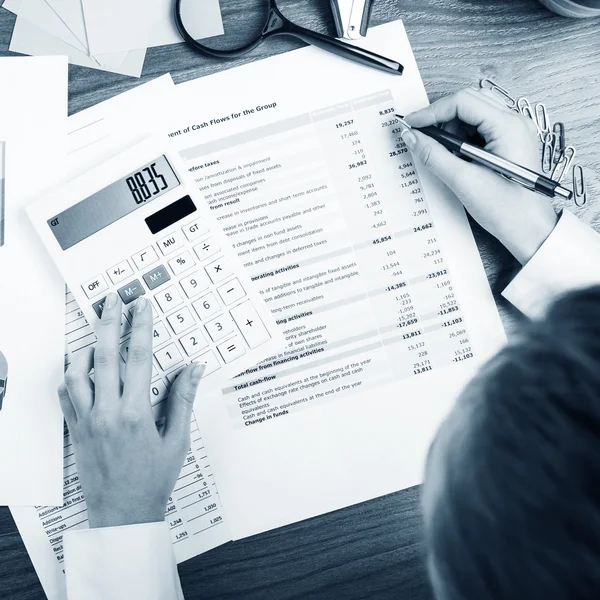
[(277, 24)]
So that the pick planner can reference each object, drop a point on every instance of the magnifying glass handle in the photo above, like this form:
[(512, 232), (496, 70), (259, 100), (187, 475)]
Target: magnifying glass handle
[(358, 55)]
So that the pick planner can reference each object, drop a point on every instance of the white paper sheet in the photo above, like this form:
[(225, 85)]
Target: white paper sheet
[(114, 25), (194, 512), (27, 38), (369, 266), (41, 14), (33, 112)]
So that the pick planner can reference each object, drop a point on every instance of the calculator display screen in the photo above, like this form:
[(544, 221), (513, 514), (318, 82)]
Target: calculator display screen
[(114, 202)]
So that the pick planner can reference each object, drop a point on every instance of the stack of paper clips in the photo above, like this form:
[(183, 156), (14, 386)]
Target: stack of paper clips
[(557, 157)]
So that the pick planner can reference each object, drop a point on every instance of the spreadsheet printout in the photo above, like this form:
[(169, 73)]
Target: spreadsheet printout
[(368, 264)]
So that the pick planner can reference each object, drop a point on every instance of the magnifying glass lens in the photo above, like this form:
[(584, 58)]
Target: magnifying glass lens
[(241, 27)]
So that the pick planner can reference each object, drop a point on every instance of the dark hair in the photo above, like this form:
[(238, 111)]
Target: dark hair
[(519, 516)]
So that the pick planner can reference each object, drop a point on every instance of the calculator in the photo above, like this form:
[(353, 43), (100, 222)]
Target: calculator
[(136, 225)]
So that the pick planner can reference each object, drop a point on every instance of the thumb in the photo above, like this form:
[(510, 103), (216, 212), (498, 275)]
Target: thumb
[(440, 161), (181, 402)]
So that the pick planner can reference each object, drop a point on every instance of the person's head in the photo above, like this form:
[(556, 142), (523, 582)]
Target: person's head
[(511, 497)]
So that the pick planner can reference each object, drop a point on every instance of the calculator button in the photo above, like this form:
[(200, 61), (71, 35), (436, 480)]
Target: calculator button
[(160, 334), (132, 291), (120, 272), (231, 291), (95, 286), (181, 321), (193, 342), (231, 349), (194, 230), (206, 249), (171, 243), (145, 258), (207, 306), (168, 357), (250, 324), (194, 284), (168, 299), (182, 263), (154, 371), (211, 362), (158, 391), (156, 277), (220, 327), (219, 270), (99, 307)]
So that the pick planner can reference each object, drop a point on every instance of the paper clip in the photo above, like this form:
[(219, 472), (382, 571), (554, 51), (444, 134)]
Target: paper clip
[(502, 93), (527, 110), (563, 164), (579, 186), (525, 107), (548, 152), (559, 130), (542, 119)]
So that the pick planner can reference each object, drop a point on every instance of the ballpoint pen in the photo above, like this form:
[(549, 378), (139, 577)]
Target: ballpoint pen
[(521, 175)]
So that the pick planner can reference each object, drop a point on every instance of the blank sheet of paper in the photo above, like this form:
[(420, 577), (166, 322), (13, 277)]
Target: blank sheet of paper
[(33, 113), (114, 25)]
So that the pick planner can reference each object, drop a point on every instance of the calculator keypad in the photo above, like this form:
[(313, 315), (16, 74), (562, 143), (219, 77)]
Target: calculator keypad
[(201, 310)]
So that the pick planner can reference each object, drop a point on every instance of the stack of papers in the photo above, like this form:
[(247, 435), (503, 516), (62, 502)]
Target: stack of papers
[(109, 35)]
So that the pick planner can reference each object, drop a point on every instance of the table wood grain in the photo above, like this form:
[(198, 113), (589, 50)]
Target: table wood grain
[(373, 550)]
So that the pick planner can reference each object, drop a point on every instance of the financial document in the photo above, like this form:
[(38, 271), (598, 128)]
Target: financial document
[(368, 264)]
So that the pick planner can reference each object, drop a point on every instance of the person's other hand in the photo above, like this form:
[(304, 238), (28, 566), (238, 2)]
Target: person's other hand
[(519, 218), (127, 467)]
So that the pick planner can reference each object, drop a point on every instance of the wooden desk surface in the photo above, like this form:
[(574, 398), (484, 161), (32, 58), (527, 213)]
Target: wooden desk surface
[(374, 550)]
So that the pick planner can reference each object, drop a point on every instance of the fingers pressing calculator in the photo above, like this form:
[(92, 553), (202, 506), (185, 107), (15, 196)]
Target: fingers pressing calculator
[(137, 227)]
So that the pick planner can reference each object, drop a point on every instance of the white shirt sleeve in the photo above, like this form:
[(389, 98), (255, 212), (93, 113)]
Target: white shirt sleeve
[(568, 260), (121, 563)]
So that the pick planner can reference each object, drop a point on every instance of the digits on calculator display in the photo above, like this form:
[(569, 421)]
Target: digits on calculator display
[(146, 183)]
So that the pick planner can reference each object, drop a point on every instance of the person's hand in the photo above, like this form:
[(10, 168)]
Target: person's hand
[(519, 218), (127, 467)]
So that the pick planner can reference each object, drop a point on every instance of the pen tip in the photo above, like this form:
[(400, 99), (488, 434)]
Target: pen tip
[(399, 116)]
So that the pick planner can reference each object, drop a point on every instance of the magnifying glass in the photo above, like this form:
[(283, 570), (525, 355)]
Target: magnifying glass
[(245, 30)]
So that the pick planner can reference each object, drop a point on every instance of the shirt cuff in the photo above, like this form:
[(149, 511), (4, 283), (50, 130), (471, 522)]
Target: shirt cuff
[(566, 261), (121, 563)]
